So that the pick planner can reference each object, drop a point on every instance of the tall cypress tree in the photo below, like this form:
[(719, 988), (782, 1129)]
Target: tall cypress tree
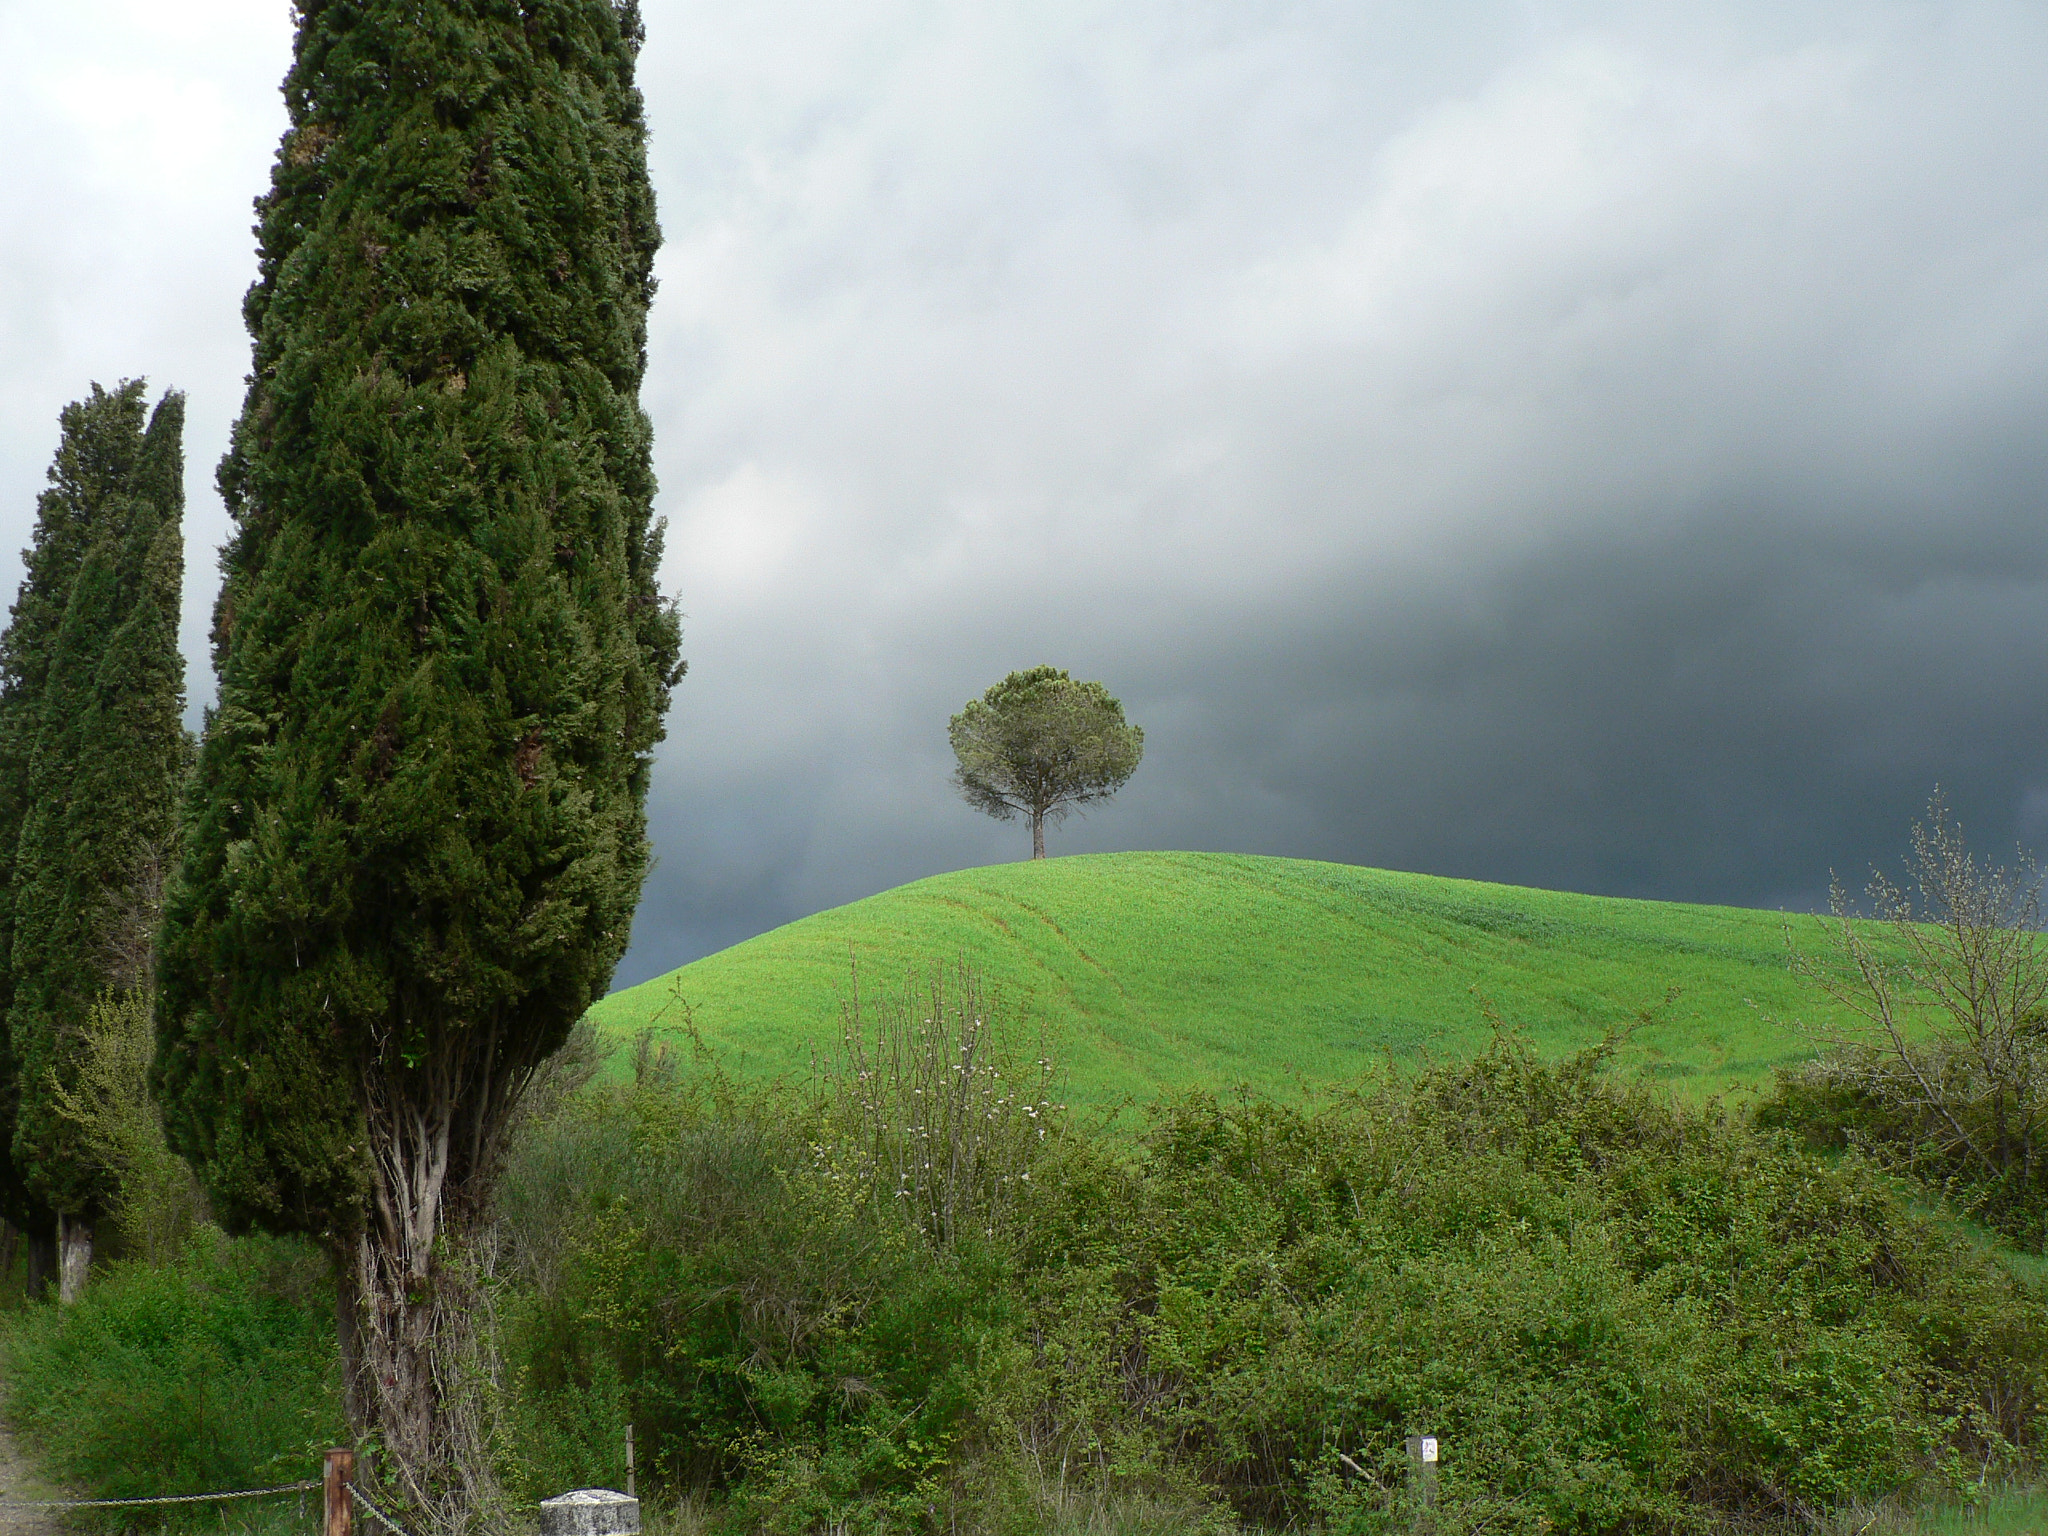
[(91, 480), (416, 836), (103, 783)]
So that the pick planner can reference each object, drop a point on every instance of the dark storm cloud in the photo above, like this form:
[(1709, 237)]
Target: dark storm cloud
[(1587, 445)]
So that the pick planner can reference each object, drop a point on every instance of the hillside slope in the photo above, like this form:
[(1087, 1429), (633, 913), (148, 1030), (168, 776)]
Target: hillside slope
[(1158, 970)]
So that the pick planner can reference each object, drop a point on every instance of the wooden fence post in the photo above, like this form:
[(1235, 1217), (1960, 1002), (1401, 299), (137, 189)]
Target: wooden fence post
[(339, 1473)]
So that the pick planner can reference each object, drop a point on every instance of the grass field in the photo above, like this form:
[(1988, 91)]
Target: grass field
[(1153, 971)]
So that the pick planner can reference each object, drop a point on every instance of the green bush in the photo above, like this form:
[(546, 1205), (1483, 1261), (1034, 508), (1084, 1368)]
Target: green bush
[(689, 1264), (1848, 1099), (1615, 1313), (216, 1371)]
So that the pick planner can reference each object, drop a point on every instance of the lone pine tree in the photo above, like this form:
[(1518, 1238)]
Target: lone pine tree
[(416, 834), (1038, 743), (91, 752)]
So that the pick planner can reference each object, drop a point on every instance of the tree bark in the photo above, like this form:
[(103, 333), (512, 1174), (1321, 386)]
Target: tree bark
[(42, 1263), (74, 1257), (357, 1407), (413, 1370), (415, 1337), (1038, 834)]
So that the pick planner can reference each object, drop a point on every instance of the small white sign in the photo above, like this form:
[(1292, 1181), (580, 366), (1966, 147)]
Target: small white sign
[(1429, 1447)]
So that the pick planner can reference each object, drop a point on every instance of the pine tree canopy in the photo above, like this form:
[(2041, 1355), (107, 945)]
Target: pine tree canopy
[(1038, 743), (416, 833), (93, 755)]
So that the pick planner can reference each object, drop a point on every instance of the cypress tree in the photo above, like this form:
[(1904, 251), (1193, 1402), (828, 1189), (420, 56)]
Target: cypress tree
[(101, 439), (101, 810), (416, 833)]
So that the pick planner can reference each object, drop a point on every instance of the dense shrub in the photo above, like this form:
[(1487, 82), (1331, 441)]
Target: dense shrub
[(691, 1263), (1941, 1072), (212, 1372), (1846, 1099), (1617, 1314)]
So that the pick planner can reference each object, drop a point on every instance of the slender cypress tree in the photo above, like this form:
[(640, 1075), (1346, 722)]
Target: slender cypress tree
[(416, 836), (103, 782), (101, 439)]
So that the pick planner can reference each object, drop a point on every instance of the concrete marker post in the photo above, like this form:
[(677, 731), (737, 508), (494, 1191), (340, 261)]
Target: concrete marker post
[(1422, 1457), (590, 1512)]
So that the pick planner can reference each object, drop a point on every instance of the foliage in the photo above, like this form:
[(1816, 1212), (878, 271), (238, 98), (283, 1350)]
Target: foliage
[(930, 1105), (729, 1269), (214, 1371), (1039, 743), (417, 834), (1619, 1314), (1158, 971), (1615, 1313), (1942, 1070), (442, 659), (156, 1202), (104, 779)]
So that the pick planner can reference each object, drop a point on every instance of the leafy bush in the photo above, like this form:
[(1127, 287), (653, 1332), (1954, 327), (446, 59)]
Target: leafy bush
[(213, 1372), (692, 1262), (1849, 1099), (1943, 1074), (1617, 1314), (157, 1204)]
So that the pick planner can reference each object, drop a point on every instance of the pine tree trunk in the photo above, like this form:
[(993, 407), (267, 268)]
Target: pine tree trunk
[(1038, 834), (74, 1257)]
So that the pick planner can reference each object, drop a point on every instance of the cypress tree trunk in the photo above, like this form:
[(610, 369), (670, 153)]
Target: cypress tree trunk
[(416, 1360), (74, 1257), (416, 835)]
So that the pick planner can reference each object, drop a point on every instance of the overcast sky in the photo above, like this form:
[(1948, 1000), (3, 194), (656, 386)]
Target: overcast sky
[(1593, 446)]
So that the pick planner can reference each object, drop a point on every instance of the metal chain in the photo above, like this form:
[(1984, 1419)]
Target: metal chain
[(375, 1513), (169, 1498)]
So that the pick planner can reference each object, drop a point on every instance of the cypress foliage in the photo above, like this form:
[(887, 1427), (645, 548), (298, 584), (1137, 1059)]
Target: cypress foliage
[(416, 833), (102, 792), (93, 486)]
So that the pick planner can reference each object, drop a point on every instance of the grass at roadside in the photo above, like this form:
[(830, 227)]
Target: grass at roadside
[(214, 1372), (1157, 971), (2006, 1512)]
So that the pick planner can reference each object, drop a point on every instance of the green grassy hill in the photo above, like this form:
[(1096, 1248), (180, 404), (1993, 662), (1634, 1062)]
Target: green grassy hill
[(1157, 970)]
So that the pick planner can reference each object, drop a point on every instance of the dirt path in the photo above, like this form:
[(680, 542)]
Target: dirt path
[(18, 1482)]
